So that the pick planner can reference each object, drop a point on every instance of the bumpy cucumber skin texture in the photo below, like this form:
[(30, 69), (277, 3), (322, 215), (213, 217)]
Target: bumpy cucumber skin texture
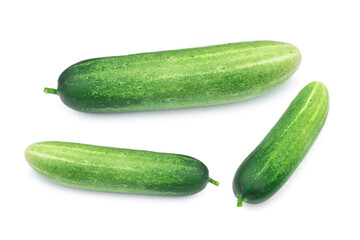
[(178, 78), (117, 170), (273, 161)]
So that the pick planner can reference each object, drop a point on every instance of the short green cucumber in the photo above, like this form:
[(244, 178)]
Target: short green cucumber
[(177, 79), (273, 161), (118, 170)]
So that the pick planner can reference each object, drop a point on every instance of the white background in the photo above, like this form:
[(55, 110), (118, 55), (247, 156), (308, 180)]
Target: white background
[(39, 39)]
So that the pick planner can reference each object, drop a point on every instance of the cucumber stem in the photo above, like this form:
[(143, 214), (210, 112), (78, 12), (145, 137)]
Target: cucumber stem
[(216, 183), (239, 201), (51, 91)]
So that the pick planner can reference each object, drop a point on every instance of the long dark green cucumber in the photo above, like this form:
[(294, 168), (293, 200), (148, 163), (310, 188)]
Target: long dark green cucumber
[(273, 161), (177, 79), (118, 170)]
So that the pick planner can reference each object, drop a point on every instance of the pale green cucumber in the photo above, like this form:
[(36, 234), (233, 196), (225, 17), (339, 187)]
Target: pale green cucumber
[(118, 170)]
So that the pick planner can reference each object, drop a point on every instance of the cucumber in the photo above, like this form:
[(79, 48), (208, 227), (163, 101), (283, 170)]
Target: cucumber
[(273, 161), (177, 79), (118, 170)]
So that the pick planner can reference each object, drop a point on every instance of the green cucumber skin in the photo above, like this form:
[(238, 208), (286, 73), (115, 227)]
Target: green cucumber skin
[(178, 78), (273, 161), (117, 170)]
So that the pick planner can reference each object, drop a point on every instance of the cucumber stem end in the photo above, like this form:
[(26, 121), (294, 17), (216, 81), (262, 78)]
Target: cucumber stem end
[(216, 183), (239, 201), (51, 91)]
